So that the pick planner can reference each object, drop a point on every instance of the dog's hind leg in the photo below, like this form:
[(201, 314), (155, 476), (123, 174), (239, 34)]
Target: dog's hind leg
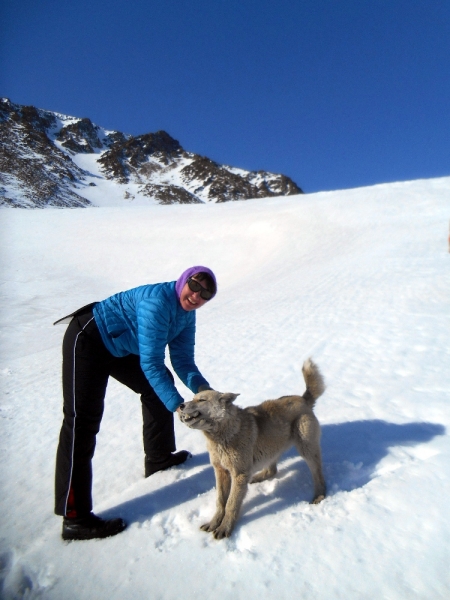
[(308, 446), (314, 463), (268, 473), (223, 486)]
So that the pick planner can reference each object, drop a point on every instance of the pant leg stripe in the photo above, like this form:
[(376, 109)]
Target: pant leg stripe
[(75, 413)]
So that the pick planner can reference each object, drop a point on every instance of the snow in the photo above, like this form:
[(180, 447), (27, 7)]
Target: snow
[(102, 192), (358, 279)]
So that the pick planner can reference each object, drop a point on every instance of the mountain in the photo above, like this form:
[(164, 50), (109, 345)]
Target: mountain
[(50, 159)]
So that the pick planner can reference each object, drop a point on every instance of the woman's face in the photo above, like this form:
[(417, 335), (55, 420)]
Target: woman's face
[(190, 300)]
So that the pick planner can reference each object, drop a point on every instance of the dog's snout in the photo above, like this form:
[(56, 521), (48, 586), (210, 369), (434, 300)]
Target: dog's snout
[(181, 406)]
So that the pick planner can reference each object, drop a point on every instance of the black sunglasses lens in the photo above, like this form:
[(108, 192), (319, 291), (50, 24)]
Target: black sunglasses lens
[(194, 286)]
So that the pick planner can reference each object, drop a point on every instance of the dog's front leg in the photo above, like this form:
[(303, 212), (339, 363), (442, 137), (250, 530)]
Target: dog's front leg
[(239, 485), (223, 485)]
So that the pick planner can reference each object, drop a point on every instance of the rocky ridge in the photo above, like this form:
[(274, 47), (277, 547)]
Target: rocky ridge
[(42, 164)]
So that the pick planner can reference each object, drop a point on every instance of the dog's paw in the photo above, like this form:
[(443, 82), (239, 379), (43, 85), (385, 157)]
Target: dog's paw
[(222, 531), (317, 499), (265, 474), (211, 525), (259, 477), (218, 529)]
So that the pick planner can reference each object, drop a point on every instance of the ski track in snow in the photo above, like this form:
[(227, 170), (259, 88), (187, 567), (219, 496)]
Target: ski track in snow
[(359, 279)]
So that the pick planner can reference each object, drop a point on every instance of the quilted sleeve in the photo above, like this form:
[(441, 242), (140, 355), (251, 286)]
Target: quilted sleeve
[(152, 331), (181, 350)]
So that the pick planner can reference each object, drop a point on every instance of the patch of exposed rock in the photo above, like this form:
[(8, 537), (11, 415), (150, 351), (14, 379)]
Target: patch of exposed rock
[(169, 194), (31, 163), (130, 157), (80, 137)]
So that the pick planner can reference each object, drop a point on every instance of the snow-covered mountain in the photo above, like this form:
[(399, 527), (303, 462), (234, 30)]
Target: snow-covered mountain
[(50, 159)]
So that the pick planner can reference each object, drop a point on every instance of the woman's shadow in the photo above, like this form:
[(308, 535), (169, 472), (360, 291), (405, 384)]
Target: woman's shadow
[(351, 452)]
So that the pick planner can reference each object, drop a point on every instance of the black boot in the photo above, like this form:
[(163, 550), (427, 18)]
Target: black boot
[(90, 527), (154, 465)]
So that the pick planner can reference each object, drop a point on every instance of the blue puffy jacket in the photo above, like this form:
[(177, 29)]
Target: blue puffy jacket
[(143, 321)]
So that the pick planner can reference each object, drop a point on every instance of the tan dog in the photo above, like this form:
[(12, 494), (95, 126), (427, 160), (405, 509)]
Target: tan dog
[(244, 441)]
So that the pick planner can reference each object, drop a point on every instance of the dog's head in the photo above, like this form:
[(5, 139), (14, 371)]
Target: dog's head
[(207, 410)]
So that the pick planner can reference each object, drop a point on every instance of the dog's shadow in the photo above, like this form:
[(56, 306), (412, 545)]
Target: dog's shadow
[(351, 452)]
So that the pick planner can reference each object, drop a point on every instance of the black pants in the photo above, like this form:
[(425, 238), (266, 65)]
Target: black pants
[(87, 365)]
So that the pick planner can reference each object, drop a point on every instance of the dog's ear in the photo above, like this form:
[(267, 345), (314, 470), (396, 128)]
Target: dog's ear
[(228, 398)]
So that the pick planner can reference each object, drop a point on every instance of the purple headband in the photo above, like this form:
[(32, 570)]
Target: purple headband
[(181, 281)]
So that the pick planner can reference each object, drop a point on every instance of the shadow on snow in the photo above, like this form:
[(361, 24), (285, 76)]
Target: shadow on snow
[(351, 452)]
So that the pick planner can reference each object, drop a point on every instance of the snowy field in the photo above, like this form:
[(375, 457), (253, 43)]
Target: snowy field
[(357, 279)]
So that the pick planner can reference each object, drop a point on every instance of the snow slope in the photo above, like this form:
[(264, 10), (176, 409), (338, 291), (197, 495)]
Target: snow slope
[(359, 279)]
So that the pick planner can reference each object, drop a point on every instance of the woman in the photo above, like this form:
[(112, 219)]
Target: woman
[(125, 337)]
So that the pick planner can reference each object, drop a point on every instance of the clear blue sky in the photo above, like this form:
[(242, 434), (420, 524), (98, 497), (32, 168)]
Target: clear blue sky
[(334, 93)]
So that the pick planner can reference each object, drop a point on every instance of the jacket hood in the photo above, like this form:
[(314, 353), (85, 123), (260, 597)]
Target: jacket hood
[(181, 281)]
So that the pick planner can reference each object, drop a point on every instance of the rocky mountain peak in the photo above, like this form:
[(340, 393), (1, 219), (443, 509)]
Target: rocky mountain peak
[(42, 164), (80, 137), (127, 156), (28, 117)]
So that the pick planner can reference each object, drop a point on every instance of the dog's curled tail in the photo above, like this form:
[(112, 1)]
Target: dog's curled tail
[(315, 385)]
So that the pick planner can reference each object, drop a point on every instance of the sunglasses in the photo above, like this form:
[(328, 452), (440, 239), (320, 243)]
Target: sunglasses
[(194, 286)]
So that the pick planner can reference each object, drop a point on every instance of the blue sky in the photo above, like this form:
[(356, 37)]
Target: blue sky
[(333, 93)]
